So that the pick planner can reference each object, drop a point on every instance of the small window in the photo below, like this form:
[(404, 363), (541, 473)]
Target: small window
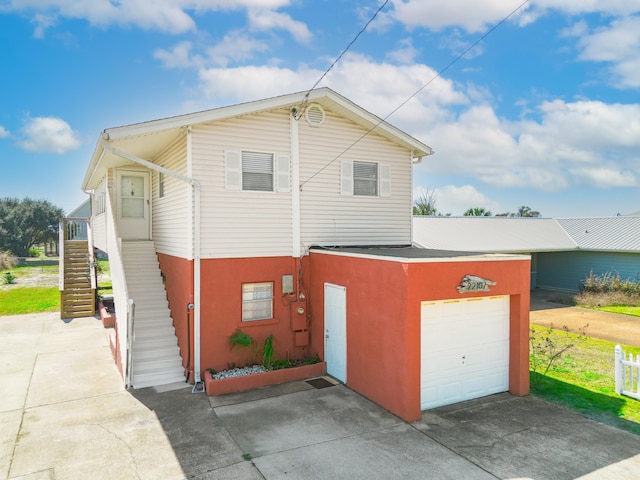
[(257, 301), (257, 171), (365, 178)]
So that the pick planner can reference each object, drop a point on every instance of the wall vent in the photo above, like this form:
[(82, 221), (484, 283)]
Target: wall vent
[(314, 115)]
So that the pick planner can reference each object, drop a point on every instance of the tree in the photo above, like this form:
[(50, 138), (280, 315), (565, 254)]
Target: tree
[(477, 212), (25, 223), (525, 211), (425, 204)]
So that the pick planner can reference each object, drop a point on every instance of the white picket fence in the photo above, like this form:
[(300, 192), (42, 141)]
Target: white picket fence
[(627, 374)]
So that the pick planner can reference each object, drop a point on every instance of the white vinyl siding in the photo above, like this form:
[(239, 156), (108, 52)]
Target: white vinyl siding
[(257, 301), (170, 213), (331, 214), (237, 223)]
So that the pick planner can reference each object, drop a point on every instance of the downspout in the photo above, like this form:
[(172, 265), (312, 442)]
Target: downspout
[(198, 384)]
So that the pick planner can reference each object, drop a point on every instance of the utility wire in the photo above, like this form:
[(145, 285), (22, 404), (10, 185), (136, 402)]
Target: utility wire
[(384, 4), (425, 85)]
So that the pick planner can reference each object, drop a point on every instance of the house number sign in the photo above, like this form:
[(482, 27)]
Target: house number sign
[(471, 283)]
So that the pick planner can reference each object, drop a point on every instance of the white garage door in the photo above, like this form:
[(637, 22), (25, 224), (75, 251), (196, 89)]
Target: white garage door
[(464, 350)]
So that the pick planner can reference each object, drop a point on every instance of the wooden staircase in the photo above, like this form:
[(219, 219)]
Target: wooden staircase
[(77, 298)]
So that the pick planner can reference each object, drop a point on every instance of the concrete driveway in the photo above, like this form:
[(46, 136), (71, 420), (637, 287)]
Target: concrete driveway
[(65, 415)]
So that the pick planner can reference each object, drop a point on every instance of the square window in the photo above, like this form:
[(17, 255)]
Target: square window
[(257, 301), (365, 178), (257, 171)]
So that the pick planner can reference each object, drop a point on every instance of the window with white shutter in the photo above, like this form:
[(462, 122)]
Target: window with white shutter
[(365, 178), (346, 178), (257, 171), (232, 170), (282, 173)]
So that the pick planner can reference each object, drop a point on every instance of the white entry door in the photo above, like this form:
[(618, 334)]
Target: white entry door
[(335, 331), (133, 204), (464, 350)]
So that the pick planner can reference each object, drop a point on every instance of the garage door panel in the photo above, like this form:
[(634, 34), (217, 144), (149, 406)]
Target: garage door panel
[(464, 350)]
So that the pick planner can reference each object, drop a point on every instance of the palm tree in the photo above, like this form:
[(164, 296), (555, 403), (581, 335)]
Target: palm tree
[(477, 212)]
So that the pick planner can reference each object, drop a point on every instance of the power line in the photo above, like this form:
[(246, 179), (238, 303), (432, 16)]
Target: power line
[(425, 85), (384, 4)]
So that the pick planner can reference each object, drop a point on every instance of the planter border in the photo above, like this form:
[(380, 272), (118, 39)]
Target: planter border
[(257, 380)]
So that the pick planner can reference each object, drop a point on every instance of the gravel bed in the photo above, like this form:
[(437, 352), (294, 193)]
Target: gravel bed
[(239, 372)]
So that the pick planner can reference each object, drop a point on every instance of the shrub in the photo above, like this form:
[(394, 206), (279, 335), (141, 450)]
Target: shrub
[(8, 278), (7, 261), (608, 289), (545, 349)]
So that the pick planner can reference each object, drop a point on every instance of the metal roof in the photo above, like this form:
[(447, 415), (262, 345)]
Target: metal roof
[(621, 233), (490, 234), (518, 234)]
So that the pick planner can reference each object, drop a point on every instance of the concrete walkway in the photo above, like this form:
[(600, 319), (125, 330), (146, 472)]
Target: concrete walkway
[(65, 415)]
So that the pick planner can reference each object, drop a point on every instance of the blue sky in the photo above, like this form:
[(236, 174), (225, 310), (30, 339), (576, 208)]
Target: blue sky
[(544, 112)]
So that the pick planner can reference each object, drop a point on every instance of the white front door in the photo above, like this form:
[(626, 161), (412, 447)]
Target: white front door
[(133, 204), (464, 350), (335, 331)]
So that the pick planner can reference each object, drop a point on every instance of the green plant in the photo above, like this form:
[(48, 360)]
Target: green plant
[(212, 371), (247, 457), (546, 347), (267, 351), (280, 363), (8, 278)]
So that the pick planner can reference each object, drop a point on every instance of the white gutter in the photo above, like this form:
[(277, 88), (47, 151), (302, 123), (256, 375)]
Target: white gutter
[(295, 185), (196, 243)]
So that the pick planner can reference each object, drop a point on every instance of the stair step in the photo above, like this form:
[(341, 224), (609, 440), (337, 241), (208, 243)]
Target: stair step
[(156, 352)]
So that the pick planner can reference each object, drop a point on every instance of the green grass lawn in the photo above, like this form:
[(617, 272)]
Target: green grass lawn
[(624, 309), (583, 379), (18, 301)]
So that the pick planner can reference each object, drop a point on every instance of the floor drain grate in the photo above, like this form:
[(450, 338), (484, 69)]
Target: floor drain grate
[(320, 383)]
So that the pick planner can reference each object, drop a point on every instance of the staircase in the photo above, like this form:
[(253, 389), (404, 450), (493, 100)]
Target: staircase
[(77, 298), (156, 356)]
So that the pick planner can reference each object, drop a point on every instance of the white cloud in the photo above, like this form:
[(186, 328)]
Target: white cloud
[(235, 46), (457, 200), (377, 87), (260, 19), (472, 15), (4, 133), (179, 56), (405, 53), (619, 45), (165, 15), (584, 143), (478, 15), (48, 134)]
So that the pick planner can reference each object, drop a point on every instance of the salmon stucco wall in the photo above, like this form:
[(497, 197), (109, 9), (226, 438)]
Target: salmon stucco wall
[(178, 276), (384, 319), (221, 310), (439, 281), (377, 334)]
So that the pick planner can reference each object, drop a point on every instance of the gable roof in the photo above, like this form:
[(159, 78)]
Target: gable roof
[(147, 139), (621, 233), (491, 234)]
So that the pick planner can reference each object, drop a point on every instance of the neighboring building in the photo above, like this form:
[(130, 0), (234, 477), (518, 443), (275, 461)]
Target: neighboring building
[(254, 217), (563, 251)]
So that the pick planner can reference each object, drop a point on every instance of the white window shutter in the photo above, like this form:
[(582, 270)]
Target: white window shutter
[(385, 180), (232, 170), (346, 178), (282, 174)]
